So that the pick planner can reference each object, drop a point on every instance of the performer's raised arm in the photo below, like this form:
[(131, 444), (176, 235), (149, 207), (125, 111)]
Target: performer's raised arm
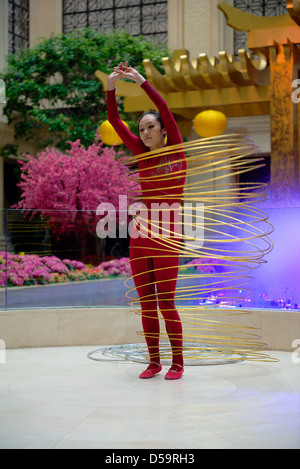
[(153, 127), (131, 141)]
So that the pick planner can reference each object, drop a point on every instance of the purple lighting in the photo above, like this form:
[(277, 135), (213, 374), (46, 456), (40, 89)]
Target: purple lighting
[(276, 284)]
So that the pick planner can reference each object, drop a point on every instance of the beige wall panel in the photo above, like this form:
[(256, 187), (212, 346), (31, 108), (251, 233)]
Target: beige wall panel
[(45, 19)]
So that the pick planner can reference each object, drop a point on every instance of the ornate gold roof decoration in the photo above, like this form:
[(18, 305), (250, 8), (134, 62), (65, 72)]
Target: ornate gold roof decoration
[(236, 86), (263, 31), (191, 85)]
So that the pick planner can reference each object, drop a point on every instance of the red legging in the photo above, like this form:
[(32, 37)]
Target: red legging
[(154, 264)]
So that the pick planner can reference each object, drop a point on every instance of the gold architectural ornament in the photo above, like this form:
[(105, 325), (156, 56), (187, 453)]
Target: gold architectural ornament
[(278, 38), (243, 21), (294, 10), (263, 31), (235, 87), (257, 82)]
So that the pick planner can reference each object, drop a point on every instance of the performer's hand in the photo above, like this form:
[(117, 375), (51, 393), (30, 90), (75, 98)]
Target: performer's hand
[(130, 73), (113, 78)]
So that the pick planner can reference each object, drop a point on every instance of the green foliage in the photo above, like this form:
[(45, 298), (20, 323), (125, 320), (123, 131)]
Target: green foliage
[(52, 86)]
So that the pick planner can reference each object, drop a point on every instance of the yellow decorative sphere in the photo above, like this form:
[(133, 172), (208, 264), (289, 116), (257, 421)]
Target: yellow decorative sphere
[(210, 123), (108, 134)]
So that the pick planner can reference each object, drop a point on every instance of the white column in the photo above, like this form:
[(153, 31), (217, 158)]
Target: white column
[(257, 127), (176, 24), (204, 28), (221, 35)]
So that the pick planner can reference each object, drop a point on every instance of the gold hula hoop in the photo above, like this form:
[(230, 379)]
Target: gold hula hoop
[(235, 241)]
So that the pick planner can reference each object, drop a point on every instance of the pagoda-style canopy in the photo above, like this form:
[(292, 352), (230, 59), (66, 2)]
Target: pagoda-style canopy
[(258, 82), (190, 86)]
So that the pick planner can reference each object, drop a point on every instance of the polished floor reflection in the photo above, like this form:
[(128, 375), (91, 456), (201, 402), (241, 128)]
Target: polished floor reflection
[(58, 398)]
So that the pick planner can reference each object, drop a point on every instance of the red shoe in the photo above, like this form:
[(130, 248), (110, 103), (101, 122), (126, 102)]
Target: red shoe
[(151, 371), (175, 372)]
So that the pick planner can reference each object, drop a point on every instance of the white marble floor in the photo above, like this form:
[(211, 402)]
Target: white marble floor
[(57, 398)]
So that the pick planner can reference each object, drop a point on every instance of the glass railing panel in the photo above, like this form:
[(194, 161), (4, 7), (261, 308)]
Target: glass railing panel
[(47, 270), (3, 259), (41, 269), (276, 284)]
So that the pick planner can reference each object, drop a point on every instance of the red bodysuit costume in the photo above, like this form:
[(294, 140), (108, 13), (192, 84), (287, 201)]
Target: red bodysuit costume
[(153, 262)]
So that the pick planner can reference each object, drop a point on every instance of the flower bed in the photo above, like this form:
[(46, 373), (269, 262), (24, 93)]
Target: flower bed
[(31, 269), (203, 265), (23, 270)]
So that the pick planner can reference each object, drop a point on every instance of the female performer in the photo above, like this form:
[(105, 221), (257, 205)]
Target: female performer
[(154, 261)]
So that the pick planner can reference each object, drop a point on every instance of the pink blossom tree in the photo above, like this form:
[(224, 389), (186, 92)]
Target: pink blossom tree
[(66, 188)]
